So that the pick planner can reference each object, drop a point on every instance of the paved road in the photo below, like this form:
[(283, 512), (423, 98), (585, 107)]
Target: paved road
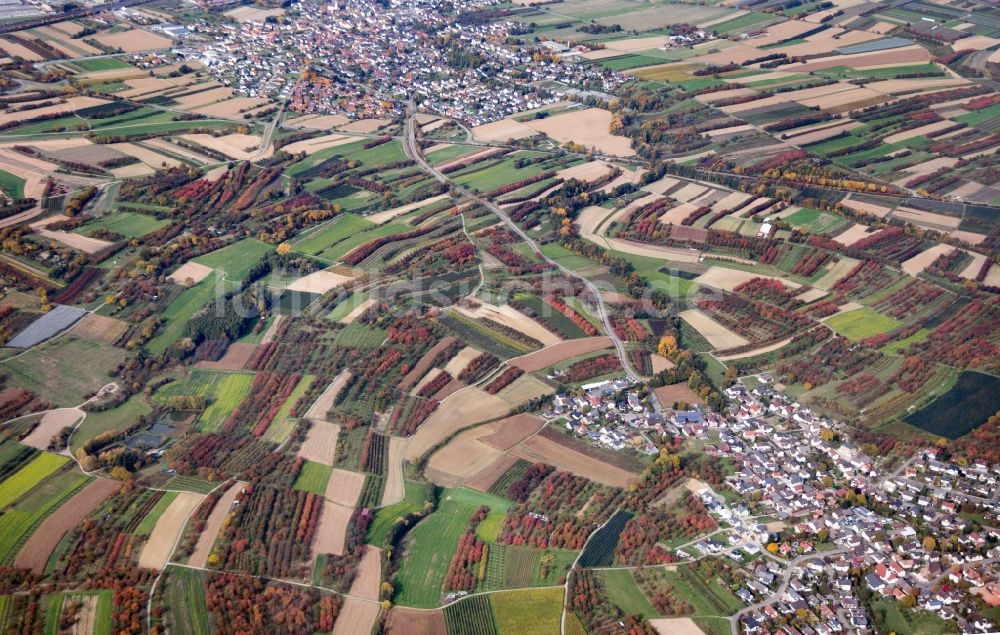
[(786, 576), (412, 150)]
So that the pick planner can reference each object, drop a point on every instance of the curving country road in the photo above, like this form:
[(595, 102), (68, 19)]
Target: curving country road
[(412, 150)]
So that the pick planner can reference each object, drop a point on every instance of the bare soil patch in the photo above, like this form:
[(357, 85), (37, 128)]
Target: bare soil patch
[(852, 234), (512, 430), (319, 122), (389, 214), (462, 457), (365, 126), (332, 529), (36, 551), (756, 351), (235, 358), (729, 279), (546, 450), (921, 261), (100, 328), (133, 40), (668, 395), (250, 13), (653, 251), (675, 626), (153, 159), (558, 352), (457, 364), (660, 363), (357, 311), (356, 617), (464, 408), (344, 487), (717, 335), (590, 171), (424, 363), (214, 523), (311, 146), (524, 388), (320, 444), (486, 477), (394, 489), (86, 616), (404, 621), (51, 423), (426, 379), (86, 244), (325, 401), (160, 545), (366, 583), (194, 271), (319, 282), (231, 145), (449, 389), (589, 127), (503, 130), (929, 220), (509, 316)]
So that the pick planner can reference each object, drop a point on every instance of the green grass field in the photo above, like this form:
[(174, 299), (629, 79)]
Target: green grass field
[(359, 336), (146, 526), (489, 529), (16, 524), (344, 308), (97, 64), (528, 612), (236, 259), (348, 243), (815, 221), (223, 391), (565, 257), (66, 370), (338, 229), (623, 591), (706, 597), (283, 424), (180, 311), (430, 545), (313, 477), (128, 224), (115, 419), (21, 482), (185, 601), (11, 184), (860, 323)]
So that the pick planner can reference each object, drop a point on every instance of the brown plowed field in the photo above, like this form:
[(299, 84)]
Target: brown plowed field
[(52, 422), (157, 550), (424, 364), (321, 442), (485, 479), (394, 488), (513, 430), (100, 328), (344, 487), (332, 530), (214, 523), (545, 450), (325, 401), (462, 457), (236, 358), (356, 617), (369, 577), (35, 553), (404, 621), (676, 392), (559, 352)]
